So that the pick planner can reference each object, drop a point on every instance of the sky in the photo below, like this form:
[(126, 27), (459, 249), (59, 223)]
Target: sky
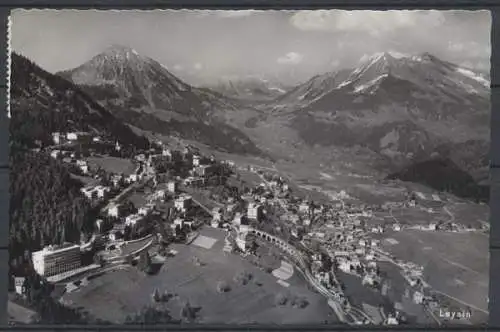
[(204, 47)]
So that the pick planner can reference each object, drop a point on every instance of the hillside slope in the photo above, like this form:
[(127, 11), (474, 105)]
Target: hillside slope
[(143, 93)]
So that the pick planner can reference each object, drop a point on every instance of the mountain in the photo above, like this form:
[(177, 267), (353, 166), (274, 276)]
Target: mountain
[(249, 89), (443, 175), (401, 106), (42, 103), (143, 93)]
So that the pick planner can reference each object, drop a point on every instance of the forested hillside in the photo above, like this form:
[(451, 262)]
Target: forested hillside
[(46, 206)]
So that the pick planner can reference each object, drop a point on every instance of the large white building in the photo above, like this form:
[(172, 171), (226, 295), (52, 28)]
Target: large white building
[(205, 170), (56, 137), (171, 187), (114, 210), (182, 202), (244, 240), (52, 261), (132, 219), (254, 211), (98, 191), (196, 160), (72, 136)]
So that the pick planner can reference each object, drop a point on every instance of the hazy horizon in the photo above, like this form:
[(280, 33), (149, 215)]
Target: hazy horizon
[(206, 46)]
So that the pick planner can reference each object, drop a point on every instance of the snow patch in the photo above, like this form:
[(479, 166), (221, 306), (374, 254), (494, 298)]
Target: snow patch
[(398, 55), (277, 89), (347, 82), (474, 76), (369, 84)]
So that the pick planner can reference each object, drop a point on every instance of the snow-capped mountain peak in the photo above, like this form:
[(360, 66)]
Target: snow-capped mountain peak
[(382, 56), (393, 78)]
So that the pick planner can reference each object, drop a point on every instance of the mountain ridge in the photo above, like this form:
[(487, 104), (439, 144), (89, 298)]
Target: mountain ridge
[(42, 103), (143, 93), (405, 107)]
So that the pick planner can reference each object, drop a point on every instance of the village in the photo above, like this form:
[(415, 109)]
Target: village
[(173, 194)]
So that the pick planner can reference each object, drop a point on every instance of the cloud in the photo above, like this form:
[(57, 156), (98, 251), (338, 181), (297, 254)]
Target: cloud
[(291, 58), (371, 22), (178, 68), (198, 66), (471, 49)]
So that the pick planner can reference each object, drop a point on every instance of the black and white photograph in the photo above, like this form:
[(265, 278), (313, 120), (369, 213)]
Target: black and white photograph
[(249, 167)]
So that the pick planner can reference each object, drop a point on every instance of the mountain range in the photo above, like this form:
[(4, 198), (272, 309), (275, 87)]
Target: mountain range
[(143, 93), (404, 107), (250, 89)]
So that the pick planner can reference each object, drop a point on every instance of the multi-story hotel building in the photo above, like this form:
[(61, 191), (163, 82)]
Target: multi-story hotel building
[(52, 260)]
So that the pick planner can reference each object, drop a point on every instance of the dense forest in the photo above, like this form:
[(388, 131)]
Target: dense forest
[(444, 175), (46, 205)]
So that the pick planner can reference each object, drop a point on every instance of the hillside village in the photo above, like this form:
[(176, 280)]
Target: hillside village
[(181, 192)]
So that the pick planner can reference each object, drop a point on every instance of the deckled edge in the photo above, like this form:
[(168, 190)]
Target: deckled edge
[(9, 56)]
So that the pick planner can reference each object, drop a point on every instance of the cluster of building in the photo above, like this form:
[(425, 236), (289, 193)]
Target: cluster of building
[(95, 191)]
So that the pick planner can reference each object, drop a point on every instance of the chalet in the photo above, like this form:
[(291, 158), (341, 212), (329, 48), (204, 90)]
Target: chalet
[(194, 181), (183, 202), (55, 153), (171, 187), (158, 194), (178, 222), (244, 241), (72, 136), (132, 219), (304, 207), (255, 211), (141, 157), (205, 170), (217, 214), (56, 138), (132, 178), (145, 210), (166, 153), (19, 285), (115, 179), (196, 160), (238, 219), (418, 297)]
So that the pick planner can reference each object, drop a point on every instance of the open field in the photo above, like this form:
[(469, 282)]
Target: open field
[(20, 314), (117, 294), (468, 213), (86, 180), (113, 164), (137, 198), (454, 263), (416, 216), (250, 178)]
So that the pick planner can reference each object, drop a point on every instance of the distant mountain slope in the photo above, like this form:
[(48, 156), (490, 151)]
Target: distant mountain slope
[(404, 107), (143, 93), (42, 103), (249, 89), (443, 175)]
